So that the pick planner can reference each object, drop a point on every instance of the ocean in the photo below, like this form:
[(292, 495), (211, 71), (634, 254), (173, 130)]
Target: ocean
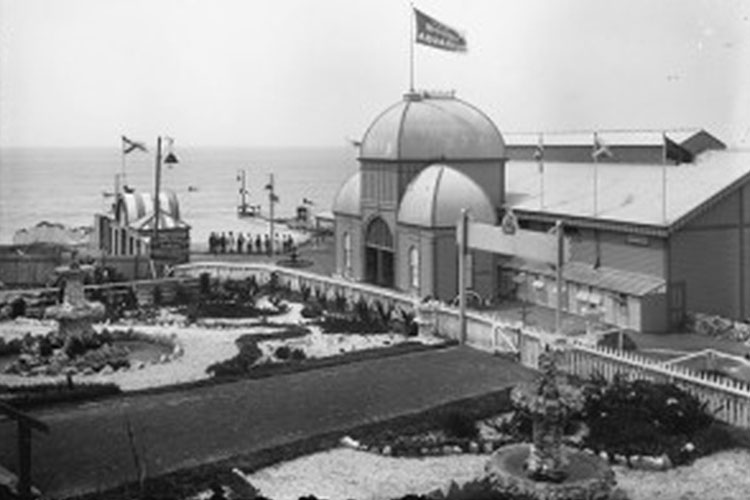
[(68, 185)]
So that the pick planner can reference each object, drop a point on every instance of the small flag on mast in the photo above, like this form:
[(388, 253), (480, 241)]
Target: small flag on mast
[(600, 149), (128, 146), (433, 33), (675, 152)]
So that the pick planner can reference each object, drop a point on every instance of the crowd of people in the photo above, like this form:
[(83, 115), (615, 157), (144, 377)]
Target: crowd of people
[(229, 242)]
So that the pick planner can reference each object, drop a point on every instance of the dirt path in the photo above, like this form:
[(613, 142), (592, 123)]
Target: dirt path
[(89, 449)]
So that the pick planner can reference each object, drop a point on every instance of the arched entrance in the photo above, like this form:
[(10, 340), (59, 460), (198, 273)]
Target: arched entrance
[(379, 254)]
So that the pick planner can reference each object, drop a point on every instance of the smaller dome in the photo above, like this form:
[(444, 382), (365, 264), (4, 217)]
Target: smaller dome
[(437, 195), (347, 198)]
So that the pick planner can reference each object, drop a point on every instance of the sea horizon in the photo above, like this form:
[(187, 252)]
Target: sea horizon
[(67, 185)]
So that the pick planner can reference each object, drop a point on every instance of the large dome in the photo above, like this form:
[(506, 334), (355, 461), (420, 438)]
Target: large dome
[(433, 127), (436, 196), (348, 196)]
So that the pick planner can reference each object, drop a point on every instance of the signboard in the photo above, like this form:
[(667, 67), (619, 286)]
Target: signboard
[(531, 245)]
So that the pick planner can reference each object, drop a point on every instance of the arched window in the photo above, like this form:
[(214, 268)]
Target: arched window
[(347, 254), (414, 267)]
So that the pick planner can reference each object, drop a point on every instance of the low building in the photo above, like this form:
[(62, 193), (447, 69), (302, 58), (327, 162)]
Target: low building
[(125, 237)]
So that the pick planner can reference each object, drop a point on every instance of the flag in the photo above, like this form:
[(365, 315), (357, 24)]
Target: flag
[(675, 152), (539, 153), (435, 34), (600, 149), (129, 146)]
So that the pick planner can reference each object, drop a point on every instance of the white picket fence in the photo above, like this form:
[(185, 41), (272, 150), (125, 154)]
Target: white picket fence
[(728, 399)]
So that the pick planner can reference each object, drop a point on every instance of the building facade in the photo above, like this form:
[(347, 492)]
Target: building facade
[(658, 228)]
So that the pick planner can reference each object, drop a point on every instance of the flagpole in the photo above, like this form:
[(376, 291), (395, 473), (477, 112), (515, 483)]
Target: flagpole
[(541, 171), (664, 178), (271, 200), (411, 48), (596, 173)]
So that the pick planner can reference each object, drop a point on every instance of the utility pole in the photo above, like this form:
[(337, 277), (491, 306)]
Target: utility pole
[(271, 201)]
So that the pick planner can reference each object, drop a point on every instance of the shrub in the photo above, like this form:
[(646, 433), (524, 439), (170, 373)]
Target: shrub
[(340, 303), (311, 311), (240, 364), (183, 295), (305, 291), (17, 308), (641, 417), (298, 354), (321, 298), (157, 296), (283, 352), (460, 425), (411, 328), (362, 311), (204, 284)]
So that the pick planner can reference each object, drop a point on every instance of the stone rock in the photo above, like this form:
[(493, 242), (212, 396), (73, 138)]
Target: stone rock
[(604, 456), (447, 450), (424, 451), (487, 447), (387, 450), (473, 447), (349, 442), (107, 370), (621, 459)]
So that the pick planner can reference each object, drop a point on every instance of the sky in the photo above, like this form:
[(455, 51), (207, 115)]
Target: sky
[(280, 73)]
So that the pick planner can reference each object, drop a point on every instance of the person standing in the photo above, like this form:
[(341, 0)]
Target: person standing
[(230, 242), (240, 242), (223, 242)]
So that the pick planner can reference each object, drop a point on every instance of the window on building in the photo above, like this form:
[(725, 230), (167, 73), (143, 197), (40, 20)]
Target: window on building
[(414, 267), (347, 254)]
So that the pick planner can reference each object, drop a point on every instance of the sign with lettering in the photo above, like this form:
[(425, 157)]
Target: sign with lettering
[(531, 245)]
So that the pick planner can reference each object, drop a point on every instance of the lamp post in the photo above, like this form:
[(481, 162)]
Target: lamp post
[(170, 159)]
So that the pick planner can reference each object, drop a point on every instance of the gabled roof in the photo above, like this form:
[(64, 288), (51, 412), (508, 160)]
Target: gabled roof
[(626, 193)]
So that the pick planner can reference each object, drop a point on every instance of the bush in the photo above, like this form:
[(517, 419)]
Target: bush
[(17, 308), (240, 364), (298, 355), (204, 284), (311, 311), (460, 425), (305, 291), (283, 352), (641, 417), (157, 296)]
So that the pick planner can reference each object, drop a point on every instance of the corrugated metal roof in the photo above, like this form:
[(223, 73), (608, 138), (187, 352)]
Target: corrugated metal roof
[(436, 196), (166, 221), (428, 128), (610, 138), (626, 193), (606, 278)]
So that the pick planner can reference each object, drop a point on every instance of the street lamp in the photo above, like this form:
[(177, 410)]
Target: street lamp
[(170, 159)]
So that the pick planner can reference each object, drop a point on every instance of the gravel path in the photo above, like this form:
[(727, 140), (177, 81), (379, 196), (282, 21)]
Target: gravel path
[(345, 473)]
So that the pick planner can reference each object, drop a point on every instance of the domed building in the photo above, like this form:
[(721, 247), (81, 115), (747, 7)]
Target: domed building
[(421, 162)]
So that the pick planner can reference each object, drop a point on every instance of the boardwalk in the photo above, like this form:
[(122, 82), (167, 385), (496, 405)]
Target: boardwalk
[(89, 448)]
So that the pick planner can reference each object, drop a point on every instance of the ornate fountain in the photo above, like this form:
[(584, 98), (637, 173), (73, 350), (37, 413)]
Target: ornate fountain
[(545, 469), (75, 314)]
